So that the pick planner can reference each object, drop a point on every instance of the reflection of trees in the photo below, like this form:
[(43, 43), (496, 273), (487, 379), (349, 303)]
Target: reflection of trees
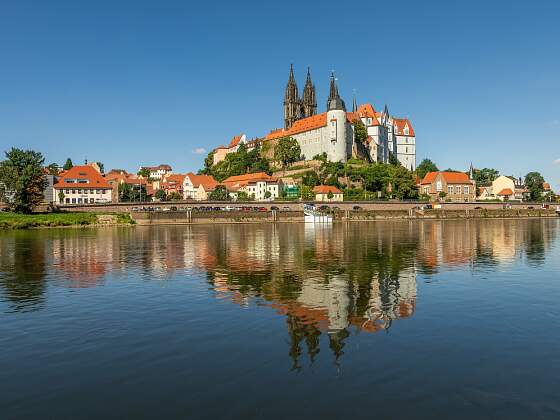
[(22, 264)]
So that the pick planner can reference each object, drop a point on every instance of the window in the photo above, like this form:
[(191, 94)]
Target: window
[(466, 189), (67, 191), (79, 191), (458, 189), (450, 190), (73, 191), (79, 200), (91, 200), (439, 187), (73, 201), (85, 191), (67, 201)]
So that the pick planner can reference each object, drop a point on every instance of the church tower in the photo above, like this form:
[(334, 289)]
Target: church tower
[(292, 102), (309, 107)]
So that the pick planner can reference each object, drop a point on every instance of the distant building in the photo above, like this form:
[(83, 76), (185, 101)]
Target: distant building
[(198, 187), (322, 193), (82, 185), (157, 172), (259, 186), (172, 184), (504, 188), (454, 186), (332, 132)]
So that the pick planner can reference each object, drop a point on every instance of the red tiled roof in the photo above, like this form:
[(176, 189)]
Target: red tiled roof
[(449, 177), (325, 189), (235, 141), (506, 191), (300, 126), (400, 123), (207, 181), (367, 111), (259, 176), (94, 178)]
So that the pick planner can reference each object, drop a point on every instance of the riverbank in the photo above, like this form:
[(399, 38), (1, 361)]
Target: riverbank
[(10, 220)]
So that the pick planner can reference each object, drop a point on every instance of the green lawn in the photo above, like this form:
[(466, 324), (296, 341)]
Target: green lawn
[(10, 220)]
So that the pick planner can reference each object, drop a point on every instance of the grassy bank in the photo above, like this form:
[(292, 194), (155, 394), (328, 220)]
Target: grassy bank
[(25, 221)]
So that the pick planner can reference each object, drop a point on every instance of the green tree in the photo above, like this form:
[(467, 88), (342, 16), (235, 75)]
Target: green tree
[(219, 194), (208, 163), (310, 179), (442, 194), (144, 172), (425, 166), (393, 160), (307, 192), (287, 151), (161, 195), (403, 183), (52, 169), (243, 196), (175, 196), (61, 196), (360, 131), (534, 182), (330, 195), (485, 176), (267, 195), (321, 157), (68, 165), (23, 179)]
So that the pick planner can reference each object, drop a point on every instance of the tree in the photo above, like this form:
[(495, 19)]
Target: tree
[(209, 161), (442, 194), (307, 192), (175, 196), (68, 165), (403, 183), (243, 196), (267, 194), (393, 160), (485, 176), (219, 194), (52, 169), (144, 172), (161, 195), (23, 179), (534, 183), (61, 196), (425, 166), (287, 151), (310, 179), (101, 167), (360, 131), (330, 195)]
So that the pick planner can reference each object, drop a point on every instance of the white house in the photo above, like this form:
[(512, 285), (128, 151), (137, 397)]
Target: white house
[(82, 185), (259, 186)]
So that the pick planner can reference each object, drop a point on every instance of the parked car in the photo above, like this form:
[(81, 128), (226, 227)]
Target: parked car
[(545, 206), (274, 208), (263, 209), (427, 206), (173, 208), (530, 207), (286, 208), (356, 208), (478, 208)]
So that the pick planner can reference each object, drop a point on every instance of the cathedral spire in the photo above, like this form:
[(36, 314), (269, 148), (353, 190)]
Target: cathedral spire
[(292, 102), (354, 103), (309, 103), (334, 101)]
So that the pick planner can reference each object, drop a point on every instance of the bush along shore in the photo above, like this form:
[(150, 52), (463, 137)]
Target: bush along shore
[(9, 220)]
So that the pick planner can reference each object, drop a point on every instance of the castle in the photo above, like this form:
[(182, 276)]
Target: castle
[(332, 132)]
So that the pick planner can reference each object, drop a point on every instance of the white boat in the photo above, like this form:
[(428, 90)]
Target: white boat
[(313, 215)]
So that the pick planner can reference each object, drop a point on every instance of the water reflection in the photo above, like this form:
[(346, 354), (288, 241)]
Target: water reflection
[(327, 282)]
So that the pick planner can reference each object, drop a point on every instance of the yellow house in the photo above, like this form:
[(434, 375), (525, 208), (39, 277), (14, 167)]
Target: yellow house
[(322, 193)]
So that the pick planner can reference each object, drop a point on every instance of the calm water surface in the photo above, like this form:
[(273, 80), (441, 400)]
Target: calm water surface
[(388, 320)]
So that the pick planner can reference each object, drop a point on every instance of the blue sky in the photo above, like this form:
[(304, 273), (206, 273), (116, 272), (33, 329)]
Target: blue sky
[(137, 82)]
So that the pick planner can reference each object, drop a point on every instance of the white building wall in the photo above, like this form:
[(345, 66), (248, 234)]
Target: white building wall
[(406, 151), (81, 195)]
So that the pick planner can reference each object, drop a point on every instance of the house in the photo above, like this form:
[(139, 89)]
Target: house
[(504, 188), (197, 187), (172, 184), (157, 172), (82, 185), (117, 177), (322, 193), (450, 186), (258, 186)]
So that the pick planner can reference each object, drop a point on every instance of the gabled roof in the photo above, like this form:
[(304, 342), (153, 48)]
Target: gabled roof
[(400, 124), (94, 178), (367, 111), (174, 179), (506, 191), (325, 189), (449, 177), (300, 126), (258, 176), (235, 141), (207, 181)]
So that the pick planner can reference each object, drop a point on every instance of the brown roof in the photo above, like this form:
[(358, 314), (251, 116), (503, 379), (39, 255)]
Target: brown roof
[(401, 123), (300, 126), (258, 176), (207, 181), (449, 177), (325, 189), (506, 191), (94, 178), (235, 141)]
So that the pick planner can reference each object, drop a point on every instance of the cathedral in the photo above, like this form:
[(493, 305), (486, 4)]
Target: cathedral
[(332, 132)]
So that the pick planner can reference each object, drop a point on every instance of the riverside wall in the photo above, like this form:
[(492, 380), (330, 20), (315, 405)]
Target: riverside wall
[(298, 206)]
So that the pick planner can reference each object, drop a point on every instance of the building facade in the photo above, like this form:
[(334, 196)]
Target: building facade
[(258, 186), (157, 172), (197, 187), (322, 193), (82, 185), (448, 186)]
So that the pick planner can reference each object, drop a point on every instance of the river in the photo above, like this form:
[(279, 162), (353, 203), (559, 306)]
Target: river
[(388, 320)]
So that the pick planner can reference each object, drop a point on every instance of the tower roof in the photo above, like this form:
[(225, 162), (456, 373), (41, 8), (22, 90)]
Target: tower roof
[(334, 101)]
